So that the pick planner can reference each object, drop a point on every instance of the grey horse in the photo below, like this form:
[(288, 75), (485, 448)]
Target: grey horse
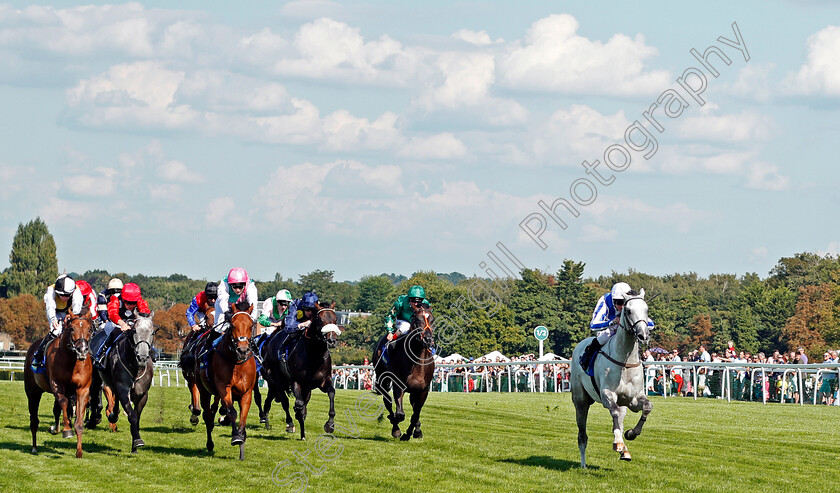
[(618, 381)]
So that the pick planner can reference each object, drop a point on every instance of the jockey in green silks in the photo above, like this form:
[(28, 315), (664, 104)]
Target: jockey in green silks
[(398, 318)]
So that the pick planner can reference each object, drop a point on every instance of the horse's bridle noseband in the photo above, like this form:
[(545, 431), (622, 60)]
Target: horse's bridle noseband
[(233, 341), (632, 327)]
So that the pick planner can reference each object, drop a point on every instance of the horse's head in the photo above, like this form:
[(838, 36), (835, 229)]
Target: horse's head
[(325, 324), (143, 338), (634, 317), (241, 327), (423, 320), (78, 329), (210, 316)]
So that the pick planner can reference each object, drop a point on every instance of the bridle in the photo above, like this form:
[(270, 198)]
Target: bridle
[(233, 342), (73, 344), (624, 318)]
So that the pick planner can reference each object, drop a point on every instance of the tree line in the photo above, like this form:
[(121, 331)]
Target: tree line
[(797, 304)]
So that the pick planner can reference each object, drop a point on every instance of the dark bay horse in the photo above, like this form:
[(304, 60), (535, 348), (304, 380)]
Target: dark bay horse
[(187, 362), (410, 368), (618, 380), (309, 368), (230, 375), (128, 372), (67, 373)]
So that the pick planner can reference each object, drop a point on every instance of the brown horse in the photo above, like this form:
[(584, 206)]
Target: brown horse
[(67, 373), (309, 367), (230, 375), (188, 362), (410, 368)]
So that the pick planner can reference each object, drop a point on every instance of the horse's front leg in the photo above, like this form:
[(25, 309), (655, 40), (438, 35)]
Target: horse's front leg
[(328, 389), (195, 397), (82, 395), (244, 407), (62, 403), (417, 400), (301, 398), (124, 394), (284, 401), (113, 408), (258, 400), (208, 412), (640, 403), (610, 401), (399, 416)]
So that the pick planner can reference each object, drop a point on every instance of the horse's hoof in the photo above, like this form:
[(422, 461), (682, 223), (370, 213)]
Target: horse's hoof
[(34, 450), (629, 435), (224, 421), (236, 440), (625, 456), (418, 434), (405, 438), (68, 434), (113, 417), (290, 429), (53, 430), (302, 439), (78, 454), (329, 428), (138, 443), (619, 447), (263, 419), (193, 419), (396, 433)]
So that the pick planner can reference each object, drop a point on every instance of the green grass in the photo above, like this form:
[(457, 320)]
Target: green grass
[(473, 442)]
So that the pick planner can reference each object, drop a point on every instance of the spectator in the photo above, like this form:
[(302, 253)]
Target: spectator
[(829, 380), (803, 358)]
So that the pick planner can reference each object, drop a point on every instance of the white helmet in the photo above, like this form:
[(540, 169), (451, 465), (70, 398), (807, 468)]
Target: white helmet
[(64, 285), (283, 295), (115, 284), (619, 290)]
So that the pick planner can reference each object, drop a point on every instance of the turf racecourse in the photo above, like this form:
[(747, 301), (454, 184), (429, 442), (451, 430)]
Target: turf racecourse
[(473, 442)]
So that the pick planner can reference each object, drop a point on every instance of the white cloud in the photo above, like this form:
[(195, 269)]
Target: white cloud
[(753, 82), (576, 133), (344, 131), (820, 74), (832, 249), (759, 253), (765, 176), (593, 233), (101, 184), (438, 146), (167, 192), (12, 178), (477, 38), (742, 127), (57, 211), (177, 171), (553, 57), (678, 215)]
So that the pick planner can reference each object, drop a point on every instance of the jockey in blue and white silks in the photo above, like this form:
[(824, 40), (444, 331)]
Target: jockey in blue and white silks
[(605, 318)]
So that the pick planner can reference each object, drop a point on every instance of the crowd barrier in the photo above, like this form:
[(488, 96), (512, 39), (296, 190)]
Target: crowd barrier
[(800, 384)]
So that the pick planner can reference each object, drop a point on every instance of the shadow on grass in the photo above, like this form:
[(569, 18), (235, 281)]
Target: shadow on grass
[(549, 463), (168, 429), (182, 451), (58, 447)]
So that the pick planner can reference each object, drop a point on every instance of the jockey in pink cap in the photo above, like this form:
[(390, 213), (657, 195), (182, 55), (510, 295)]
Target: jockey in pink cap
[(234, 288)]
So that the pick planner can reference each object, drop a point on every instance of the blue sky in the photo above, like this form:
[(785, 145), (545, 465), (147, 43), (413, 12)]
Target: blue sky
[(368, 137)]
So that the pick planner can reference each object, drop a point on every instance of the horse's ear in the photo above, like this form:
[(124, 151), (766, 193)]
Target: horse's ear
[(642, 293), (332, 306), (251, 308)]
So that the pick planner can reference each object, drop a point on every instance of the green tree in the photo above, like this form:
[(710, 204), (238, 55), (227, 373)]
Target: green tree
[(577, 300), (373, 290), (534, 302), (33, 264)]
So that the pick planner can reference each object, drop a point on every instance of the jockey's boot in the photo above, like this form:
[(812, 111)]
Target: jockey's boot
[(99, 361), (38, 356), (587, 354)]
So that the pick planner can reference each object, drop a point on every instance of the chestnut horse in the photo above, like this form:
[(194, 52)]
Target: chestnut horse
[(128, 372), (309, 367), (188, 362), (67, 372), (410, 369), (230, 375)]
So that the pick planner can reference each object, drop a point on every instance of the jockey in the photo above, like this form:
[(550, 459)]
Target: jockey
[(127, 306), (606, 317), (234, 288), (114, 288), (88, 298), (273, 315), (398, 318), (298, 318), (59, 299), (200, 303)]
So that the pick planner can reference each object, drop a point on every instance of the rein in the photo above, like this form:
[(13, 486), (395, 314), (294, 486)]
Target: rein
[(232, 341), (127, 369)]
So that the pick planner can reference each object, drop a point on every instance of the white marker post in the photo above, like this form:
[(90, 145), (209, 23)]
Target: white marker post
[(541, 333)]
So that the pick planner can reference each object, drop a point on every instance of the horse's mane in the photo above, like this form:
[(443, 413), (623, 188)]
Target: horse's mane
[(632, 292), (242, 306), (323, 304)]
